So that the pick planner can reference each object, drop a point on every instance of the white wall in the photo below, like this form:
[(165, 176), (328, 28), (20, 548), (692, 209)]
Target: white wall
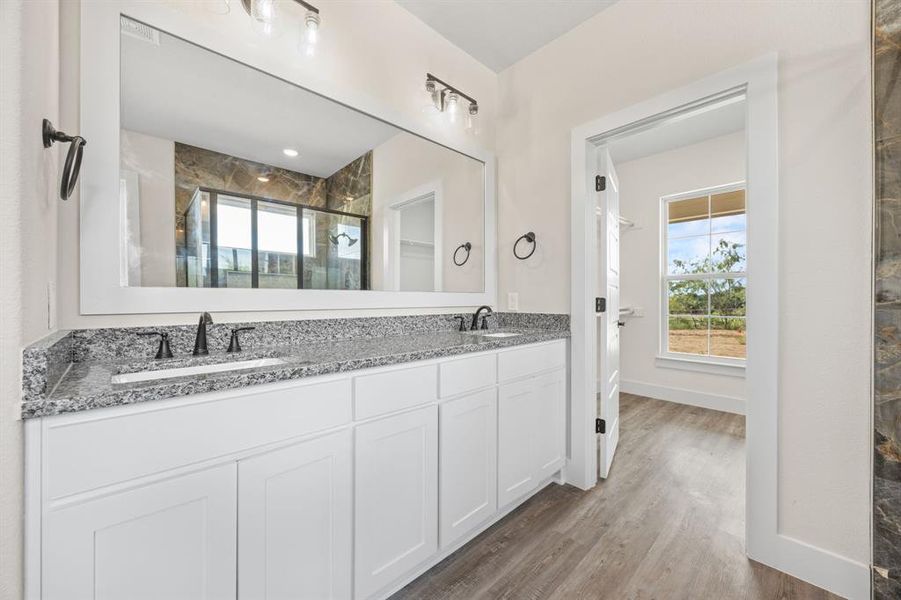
[(29, 179), (376, 48), (643, 182), (153, 159), (633, 51), (405, 163)]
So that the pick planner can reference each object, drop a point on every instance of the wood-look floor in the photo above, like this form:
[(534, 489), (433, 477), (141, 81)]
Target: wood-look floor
[(667, 523)]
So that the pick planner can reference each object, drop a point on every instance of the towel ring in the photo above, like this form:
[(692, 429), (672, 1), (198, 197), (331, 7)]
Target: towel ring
[(530, 238), (72, 165), (465, 246)]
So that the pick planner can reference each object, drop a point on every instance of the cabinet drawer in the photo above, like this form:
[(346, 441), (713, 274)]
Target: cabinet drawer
[(462, 375), (390, 391), (97, 448), (521, 362)]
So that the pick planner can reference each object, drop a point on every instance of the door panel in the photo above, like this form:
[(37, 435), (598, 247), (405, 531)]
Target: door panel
[(172, 539), (608, 330), (294, 521), (468, 463), (517, 415), (396, 507), (549, 442)]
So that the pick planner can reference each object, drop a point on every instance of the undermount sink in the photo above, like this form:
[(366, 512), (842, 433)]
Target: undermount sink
[(196, 370), (499, 334)]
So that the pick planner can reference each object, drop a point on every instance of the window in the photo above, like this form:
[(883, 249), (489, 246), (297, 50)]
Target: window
[(234, 240), (704, 280)]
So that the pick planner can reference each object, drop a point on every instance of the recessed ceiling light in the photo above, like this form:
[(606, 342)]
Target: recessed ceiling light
[(290, 152), (263, 179)]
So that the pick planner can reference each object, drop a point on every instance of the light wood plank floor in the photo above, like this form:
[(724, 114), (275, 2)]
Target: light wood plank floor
[(667, 523)]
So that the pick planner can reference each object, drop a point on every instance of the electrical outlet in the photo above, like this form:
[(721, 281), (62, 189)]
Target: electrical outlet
[(512, 300)]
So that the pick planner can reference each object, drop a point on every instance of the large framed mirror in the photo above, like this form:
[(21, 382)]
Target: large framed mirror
[(213, 184)]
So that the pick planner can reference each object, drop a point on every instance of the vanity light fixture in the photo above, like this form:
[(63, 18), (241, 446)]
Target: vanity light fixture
[(445, 98), (290, 152), (263, 12)]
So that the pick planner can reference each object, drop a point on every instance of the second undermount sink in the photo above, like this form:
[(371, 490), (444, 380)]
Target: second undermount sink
[(499, 334), (196, 370)]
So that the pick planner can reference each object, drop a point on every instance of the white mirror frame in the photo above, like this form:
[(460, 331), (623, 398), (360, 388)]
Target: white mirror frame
[(101, 292)]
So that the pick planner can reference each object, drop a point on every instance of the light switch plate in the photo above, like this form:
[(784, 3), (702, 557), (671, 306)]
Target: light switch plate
[(512, 300)]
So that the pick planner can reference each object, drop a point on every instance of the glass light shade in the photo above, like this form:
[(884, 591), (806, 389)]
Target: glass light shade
[(453, 107), (432, 105), (310, 36), (263, 14)]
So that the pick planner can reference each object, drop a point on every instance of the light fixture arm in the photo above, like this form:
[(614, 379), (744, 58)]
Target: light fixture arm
[(447, 88), (306, 5)]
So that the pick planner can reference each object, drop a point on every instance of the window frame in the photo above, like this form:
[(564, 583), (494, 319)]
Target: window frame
[(683, 360), (214, 194)]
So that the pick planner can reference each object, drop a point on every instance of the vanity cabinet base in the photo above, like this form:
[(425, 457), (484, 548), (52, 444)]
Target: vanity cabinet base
[(361, 499)]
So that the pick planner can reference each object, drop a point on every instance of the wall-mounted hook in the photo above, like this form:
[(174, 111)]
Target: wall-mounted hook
[(528, 237), (466, 246), (49, 134)]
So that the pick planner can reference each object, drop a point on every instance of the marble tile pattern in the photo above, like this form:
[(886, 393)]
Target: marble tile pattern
[(308, 348), (349, 189), (205, 168), (887, 384)]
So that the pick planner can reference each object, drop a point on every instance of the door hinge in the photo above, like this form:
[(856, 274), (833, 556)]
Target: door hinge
[(600, 426), (600, 183), (600, 305)]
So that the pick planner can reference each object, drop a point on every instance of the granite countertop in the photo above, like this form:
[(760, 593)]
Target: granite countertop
[(88, 384)]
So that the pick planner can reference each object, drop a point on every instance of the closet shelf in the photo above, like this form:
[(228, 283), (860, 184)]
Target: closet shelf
[(417, 243)]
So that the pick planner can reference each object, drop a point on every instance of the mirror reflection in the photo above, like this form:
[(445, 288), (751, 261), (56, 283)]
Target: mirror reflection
[(232, 178)]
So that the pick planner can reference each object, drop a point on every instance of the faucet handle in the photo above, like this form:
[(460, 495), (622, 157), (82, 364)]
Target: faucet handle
[(485, 320), (234, 344), (462, 322), (164, 350)]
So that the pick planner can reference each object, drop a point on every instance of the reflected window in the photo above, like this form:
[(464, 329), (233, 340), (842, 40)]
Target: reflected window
[(704, 278), (240, 241)]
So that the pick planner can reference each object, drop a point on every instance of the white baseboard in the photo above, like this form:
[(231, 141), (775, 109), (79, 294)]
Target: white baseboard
[(682, 396), (837, 574)]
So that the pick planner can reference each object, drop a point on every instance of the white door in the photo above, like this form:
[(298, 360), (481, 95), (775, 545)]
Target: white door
[(468, 463), (516, 418), (172, 539), (294, 521), (549, 441), (396, 497), (608, 322)]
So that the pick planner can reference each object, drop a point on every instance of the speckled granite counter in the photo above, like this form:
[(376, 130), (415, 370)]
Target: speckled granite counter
[(52, 385)]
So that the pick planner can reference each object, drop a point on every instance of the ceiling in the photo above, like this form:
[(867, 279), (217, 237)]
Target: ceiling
[(178, 91), (692, 129), (498, 33)]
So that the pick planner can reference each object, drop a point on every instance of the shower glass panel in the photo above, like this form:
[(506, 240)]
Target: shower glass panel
[(277, 245), (234, 242), (194, 263), (336, 260)]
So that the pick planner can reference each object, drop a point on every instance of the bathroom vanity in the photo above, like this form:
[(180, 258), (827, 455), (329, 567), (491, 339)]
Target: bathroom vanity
[(339, 485)]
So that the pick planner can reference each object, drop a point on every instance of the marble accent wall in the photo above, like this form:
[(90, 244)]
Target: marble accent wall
[(196, 167), (887, 384), (349, 189)]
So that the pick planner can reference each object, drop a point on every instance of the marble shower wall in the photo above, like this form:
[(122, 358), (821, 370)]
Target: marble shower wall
[(887, 383), (200, 167)]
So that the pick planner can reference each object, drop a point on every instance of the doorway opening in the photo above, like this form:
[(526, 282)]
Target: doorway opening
[(414, 235), (693, 284), (672, 253)]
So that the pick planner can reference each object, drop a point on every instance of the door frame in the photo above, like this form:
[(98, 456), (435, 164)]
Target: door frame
[(757, 80), (435, 189)]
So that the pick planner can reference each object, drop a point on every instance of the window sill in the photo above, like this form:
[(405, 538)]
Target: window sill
[(713, 367)]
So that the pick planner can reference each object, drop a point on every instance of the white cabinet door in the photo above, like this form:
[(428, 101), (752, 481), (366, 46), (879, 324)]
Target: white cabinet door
[(172, 539), (294, 521), (396, 494), (531, 433), (549, 444), (468, 463), (517, 418)]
